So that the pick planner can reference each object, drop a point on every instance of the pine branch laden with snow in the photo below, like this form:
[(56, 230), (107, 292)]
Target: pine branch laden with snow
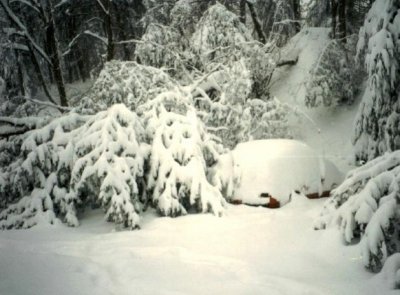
[(74, 162), (334, 78), (367, 206), (181, 153), (34, 178), (110, 161), (378, 120)]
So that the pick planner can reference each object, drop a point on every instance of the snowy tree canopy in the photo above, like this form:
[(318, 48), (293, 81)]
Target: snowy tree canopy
[(378, 122)]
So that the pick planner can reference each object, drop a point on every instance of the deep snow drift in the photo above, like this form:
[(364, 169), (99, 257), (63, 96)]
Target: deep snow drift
[(248, 251)]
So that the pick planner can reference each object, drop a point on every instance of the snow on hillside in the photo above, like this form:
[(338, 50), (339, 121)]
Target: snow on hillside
[(248, 251), (328, 130)]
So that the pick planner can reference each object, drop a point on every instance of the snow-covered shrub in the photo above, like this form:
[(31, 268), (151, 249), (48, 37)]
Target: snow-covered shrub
[(186, 14), (158, 11), (162, 46), (225, 107), (284, 23), (220, 38), (264, 120), (129, 83), (73, 162), (261, 62), (367, 206), (180, 155), (219, 35), (334, 79), (378, 120)]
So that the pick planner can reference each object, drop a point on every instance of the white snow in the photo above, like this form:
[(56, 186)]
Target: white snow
[(277, 167), (248, 251)]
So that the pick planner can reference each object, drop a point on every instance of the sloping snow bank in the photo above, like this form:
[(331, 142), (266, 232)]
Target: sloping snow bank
[(276, 167), (327, 130)]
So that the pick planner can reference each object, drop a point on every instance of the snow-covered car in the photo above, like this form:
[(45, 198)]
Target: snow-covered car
[(267, 172)]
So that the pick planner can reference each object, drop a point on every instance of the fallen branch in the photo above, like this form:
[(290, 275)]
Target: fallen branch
[(289, 62)]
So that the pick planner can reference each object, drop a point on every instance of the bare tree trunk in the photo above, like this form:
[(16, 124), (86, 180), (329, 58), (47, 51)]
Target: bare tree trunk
[(341, 34), (38, 71), (20, 74), (296, 14), (109, 31), (122, 35), (334, 7), (257, 24), (52, 44), (243, 11)]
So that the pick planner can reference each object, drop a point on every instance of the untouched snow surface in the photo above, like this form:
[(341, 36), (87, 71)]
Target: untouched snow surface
[(248, 251)]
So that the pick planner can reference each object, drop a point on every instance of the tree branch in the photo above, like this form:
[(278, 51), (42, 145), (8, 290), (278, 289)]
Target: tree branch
[(14, 19)]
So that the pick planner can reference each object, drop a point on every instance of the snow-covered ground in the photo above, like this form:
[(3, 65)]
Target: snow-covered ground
[(248, 251)]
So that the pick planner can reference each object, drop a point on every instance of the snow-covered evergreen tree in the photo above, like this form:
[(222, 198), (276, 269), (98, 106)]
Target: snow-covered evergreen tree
[(334, 78), (73, 162), (181, 153), (367, 206), (377, 124)]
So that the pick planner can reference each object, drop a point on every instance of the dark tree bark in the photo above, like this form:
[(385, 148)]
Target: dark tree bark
[(257, 24), (38, 71), (52, 44), (341, 31), (339, 20), (334, 8), (108, 29), (296, 14), (20, 74), (243, 11)]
